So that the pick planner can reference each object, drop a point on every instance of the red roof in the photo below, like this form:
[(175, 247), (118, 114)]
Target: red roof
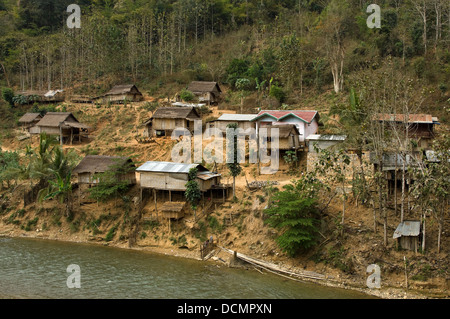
[(307, 116)]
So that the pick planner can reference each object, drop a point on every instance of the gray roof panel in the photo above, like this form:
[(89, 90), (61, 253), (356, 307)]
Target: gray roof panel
[(407, 228), (168, 167)]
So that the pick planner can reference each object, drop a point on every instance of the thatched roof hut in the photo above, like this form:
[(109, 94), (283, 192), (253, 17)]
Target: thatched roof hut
[(168, 119), (122, 93), (63, 124), (29, 120), (173, 210), (96, 164), (208, 92)]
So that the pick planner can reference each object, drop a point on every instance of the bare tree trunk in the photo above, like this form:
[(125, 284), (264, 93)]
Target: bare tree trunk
[(403, 189), (6, 75)]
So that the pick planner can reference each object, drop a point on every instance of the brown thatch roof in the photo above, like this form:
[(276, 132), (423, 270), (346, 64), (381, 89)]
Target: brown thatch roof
[(202, 87), (285, 130), (173, 207), (55, 119), (123, 89), (100, 164), (189, 113), (30, 118)]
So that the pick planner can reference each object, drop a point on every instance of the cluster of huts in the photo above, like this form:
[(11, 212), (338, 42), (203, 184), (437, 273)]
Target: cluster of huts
[(61, 124), (156, 178), (298, 131)]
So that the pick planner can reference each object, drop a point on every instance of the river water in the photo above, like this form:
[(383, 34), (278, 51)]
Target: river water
[(37, 269)]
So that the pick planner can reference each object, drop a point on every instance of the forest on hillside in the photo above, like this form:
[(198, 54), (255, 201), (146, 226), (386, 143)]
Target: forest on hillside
[(292, 45)]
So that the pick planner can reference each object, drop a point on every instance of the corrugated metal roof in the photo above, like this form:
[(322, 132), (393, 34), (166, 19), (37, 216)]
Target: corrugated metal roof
[(168, 167), (407, 228), (316, 137), (237, 117)]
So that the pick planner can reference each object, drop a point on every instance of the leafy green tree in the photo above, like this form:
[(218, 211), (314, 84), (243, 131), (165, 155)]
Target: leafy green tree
[(187, 95), (294, 211), (40, 160), (9, 167), (333, 165), (60, 189), (232, 162), (237, 69), (8, 96), (110, 184), (193, 193)]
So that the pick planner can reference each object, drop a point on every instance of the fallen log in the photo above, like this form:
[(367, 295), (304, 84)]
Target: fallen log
[(275, 268)]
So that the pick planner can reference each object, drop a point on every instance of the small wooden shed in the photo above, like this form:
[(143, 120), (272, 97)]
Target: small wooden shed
[(167, 119), (29, 120), (95, 164), (121, 93), (63, 124), (173, 210), (207, 92), (408, 235)]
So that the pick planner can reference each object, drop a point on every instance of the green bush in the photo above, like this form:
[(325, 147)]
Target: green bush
[(110, 235), (187, 95), (278, 93), (8, 96)]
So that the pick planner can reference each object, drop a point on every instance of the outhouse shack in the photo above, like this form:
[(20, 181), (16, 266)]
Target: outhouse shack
[(407, 235), (207, 92), (29, 120), (92, 165), (168, 119), (63, 124)]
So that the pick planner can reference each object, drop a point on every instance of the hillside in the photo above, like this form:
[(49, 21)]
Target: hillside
[(281, 55), (236, 225)]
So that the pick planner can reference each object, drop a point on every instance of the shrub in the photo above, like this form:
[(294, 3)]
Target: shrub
[(187, 95), (110, 234), (278, 93), (294, 212), (8, 96)]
